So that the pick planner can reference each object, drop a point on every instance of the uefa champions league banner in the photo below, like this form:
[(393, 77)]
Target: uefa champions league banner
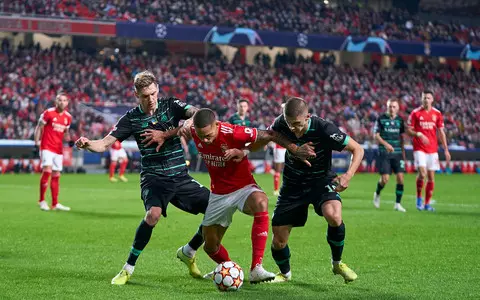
[(249, 37)]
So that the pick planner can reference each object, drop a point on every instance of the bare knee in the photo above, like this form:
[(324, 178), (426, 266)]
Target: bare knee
[(400, 178), (280, 237), (153, 215), (333, 217), (279, 243), (384, 179), (422, 173), (212, 244), (431, 176), (256, 202)]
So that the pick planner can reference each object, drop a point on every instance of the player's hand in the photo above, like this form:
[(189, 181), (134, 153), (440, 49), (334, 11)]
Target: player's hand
[(424, 139), (82, 143), (185, 130), (389, 148), (448, 157), (306, 152), (234, 154), (342, 182), (153, 136)]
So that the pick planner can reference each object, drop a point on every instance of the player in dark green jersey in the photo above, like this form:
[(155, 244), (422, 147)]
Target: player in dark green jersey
[(240, 117), (164, 176), (389, 130)]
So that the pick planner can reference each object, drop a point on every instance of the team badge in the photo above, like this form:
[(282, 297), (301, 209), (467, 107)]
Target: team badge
[(434, 118)]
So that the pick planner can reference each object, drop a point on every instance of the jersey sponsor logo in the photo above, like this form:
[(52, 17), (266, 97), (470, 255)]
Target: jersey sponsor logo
[(336, 137), (427, 125), (58, 127), (214, 160), (392, 130)]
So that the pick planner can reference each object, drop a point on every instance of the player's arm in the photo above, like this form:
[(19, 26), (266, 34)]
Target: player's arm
[(381, 141), (96, 145), (357, 157), (189, 112), (443, 140), (264, 137), (402, 146), (152, 136), (37, 136)]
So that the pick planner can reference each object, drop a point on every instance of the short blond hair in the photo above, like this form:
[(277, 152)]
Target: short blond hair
[(143, 79)]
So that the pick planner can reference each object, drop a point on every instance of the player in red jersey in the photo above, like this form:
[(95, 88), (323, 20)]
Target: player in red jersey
[(49, 134), (278, 164), (233, 186), (118, 154), (423, 124)]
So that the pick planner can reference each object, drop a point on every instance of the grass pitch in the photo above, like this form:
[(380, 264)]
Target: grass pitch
[(74, 255)]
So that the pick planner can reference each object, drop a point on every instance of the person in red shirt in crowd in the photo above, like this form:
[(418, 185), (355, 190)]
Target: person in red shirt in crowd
[(233, 186), (423, 124), (118, 154), (52, 128)]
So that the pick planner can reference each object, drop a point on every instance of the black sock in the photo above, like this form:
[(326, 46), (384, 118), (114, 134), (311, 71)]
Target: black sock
[(197, 239), (379, 188), (282, 259), (335, 238), (142, 236), (399, 192)]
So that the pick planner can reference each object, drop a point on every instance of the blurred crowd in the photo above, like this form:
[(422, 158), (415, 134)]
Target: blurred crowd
[(308, 16), (352, 98)]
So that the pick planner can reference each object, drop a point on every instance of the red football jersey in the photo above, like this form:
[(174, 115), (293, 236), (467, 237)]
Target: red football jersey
[(55, 126), (227, 176), (426, 122), (117, 145)]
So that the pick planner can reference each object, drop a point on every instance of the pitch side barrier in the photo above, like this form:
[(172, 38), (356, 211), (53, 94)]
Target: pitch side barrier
[(239, 36)]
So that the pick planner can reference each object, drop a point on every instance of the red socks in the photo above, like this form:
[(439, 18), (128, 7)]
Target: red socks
[(54, 187), (113, 165), (123, 166), (220, 256), (276, 181), (429, 191), (419, 187), (259, 237), (44, 184)]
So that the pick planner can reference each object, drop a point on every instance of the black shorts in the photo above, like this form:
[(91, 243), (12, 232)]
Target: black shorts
[(386, 164), (293, 202), (182, 191)]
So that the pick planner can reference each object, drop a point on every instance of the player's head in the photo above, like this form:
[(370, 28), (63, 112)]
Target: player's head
[(393, 106), (296, 115), (427, 98), (242, 107), (205, 123), (61, 102), (146, 89)]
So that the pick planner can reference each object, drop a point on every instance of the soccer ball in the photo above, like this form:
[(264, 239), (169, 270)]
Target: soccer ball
[(228, 276)]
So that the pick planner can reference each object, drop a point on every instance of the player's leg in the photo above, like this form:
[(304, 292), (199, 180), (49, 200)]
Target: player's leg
[(213, 235), (191, 197), (46, 158), (331, 208), (276, 178), (123, 165), (55, 183), (384, 170), (281, 252), (398, 167), (113, 165), (429, 190), (156, 194), (421, 164)]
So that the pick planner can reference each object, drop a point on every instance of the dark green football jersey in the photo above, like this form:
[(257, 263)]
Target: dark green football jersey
[(391, 131), (169, 161), (236, 120)]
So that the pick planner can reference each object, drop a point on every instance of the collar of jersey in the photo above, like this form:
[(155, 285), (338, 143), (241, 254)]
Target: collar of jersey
[(141, 110)]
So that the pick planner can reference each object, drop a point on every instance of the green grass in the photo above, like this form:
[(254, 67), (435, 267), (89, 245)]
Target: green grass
[(74, 255)]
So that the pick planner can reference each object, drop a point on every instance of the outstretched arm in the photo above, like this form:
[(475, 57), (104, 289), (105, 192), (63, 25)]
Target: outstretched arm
[(265, 136), (95, 145)]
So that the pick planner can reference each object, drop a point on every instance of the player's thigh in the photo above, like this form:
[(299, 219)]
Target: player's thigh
[(156, 191), (291, 208), (46, 158), (433, 163), (220, 210), (398, 165), (281, 235), (191, 196), (113, 155), (257, 201), (420, 159), (57, 163), (327, 203), (383, 165), (279, 166)]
